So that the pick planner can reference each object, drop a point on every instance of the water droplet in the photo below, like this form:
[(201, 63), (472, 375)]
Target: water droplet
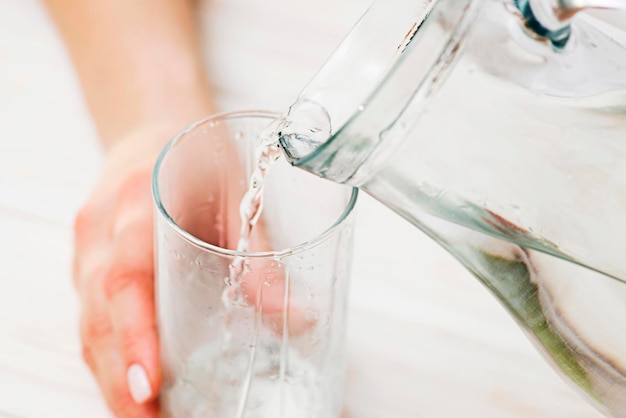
[(312, 314)]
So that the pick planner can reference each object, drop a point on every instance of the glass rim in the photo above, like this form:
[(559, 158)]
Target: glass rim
[(190, 238)]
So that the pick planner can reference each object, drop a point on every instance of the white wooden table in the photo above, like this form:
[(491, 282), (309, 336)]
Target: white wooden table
[(425, 339)]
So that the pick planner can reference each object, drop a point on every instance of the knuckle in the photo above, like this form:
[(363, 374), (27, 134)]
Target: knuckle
[(135, 339), (120, 279), (95, 329), (85, 269), (135, 185)]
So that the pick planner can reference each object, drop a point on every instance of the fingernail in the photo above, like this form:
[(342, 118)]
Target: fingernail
[(138, 383)]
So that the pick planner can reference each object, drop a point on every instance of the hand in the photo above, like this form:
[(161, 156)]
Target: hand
[(113, 272)]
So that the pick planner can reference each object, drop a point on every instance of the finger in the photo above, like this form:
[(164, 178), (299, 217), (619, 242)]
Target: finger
[(101, 355), (110, 366), (129, 288), (91, 233)]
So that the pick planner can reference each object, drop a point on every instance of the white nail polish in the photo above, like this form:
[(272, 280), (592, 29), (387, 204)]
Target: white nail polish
[(138, 383)]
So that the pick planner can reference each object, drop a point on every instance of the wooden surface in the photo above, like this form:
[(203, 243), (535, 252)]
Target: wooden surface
[(425, 338)]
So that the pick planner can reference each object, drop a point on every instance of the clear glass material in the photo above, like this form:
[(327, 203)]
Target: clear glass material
[(503, 140), (268, 342)]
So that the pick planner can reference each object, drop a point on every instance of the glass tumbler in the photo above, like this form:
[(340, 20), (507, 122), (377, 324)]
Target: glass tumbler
[(256, 334)]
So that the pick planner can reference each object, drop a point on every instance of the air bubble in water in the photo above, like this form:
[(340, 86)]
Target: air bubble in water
[(306, 127)]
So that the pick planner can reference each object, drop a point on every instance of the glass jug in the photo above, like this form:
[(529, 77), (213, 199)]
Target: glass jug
[(497, 127)]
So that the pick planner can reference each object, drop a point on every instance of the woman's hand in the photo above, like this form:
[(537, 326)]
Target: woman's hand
[(139, 64), (114, 273), (114, 270)]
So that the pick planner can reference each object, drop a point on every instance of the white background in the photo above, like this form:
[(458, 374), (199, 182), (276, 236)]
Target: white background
[(425, 339)]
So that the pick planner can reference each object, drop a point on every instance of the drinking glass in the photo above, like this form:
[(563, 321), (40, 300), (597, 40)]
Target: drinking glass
[(268, 340)]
